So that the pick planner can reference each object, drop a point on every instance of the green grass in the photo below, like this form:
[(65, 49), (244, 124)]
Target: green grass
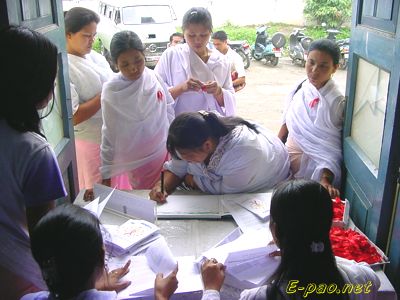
[(249, 32), (96, 45)]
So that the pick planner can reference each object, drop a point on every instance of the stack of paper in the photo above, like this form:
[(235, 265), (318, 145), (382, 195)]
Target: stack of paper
[(246, 258), (159, 259), (130, 236)]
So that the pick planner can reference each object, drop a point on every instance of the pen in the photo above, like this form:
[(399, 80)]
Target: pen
[(162, 182)]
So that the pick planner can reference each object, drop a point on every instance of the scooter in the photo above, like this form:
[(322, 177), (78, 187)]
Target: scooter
[(299, 44), (270, 49), (344, 46), (243, 49)]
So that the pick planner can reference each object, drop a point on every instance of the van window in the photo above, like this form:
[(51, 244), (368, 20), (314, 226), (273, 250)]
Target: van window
[(156, 14), (117, 17)]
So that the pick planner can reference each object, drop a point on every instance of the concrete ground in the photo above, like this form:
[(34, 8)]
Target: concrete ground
[(263, 98)]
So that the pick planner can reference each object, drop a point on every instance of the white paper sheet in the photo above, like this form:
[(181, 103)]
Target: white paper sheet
[(246, 220), (259, 204), (127, 204)]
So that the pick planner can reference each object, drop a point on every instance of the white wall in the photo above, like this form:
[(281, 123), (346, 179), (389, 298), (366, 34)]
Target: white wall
[(246, 12)]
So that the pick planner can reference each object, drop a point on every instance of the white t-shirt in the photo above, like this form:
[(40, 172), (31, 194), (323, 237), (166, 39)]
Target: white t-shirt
[(30, 176), (236, 62)]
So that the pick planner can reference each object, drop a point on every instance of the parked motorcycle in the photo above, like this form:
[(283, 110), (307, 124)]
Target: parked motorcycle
[(344, 46), (270, 49), (299, 44), (243, 49)]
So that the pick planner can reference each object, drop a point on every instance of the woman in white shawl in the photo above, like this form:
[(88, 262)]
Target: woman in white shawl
[(137, 110), (198, 78), (88, 70), (313, 120), (221, 155)]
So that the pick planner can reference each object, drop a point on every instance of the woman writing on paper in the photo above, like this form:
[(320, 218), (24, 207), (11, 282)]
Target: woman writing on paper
[(198, 78), (313, 120), (301, 218), (220, 155), (137, 110)]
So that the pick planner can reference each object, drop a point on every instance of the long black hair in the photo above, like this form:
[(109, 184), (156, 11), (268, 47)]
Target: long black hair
[(29, 67), (68, 246), (190, 130), (301, 212)]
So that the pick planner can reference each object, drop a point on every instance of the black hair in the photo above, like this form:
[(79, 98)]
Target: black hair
[(29, 70), (190, 130), (220, 35), (197, 15), (78, 17), (123, 41), (327, 46), (175, 34), (68, 246), (301, 211)]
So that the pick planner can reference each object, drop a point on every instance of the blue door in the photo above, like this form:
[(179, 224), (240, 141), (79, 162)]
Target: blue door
[(46, 16), (371, 133)]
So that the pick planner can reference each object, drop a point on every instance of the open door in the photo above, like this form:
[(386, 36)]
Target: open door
[(371, 132), (46, 17)]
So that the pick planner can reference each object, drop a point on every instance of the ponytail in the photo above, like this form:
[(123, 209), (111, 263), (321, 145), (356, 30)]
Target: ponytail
[(191, 130)]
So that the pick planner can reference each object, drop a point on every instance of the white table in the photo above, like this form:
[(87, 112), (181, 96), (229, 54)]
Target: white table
[(192, 237)]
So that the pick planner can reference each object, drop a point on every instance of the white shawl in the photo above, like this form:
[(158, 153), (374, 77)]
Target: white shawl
[(87, 76), (136, 118), (315, 130), (179, 63), (243, 162)]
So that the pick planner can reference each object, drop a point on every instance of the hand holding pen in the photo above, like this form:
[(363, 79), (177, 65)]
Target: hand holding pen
[(158, 192)]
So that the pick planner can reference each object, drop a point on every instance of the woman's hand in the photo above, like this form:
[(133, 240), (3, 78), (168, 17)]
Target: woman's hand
[(111, 281), (193, 84), (157, 195), (333, 192), (213, 274), (189, 181), (165, 287)]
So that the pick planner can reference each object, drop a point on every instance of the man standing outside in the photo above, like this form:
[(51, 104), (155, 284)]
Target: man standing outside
[(220, 41), (175, 39)]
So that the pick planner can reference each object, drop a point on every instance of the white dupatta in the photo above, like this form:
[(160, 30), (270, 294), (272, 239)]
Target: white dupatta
[(314, 131), (136, 118), (179, 63)]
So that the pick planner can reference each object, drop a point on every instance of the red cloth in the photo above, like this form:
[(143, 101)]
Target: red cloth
[(350, 244)]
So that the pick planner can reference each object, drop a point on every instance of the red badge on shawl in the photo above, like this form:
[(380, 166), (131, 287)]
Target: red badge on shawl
[(160, 96), (313, 102)]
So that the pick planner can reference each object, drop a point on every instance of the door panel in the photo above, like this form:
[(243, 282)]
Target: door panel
[(370, 137), (368, 132), (46, 17)]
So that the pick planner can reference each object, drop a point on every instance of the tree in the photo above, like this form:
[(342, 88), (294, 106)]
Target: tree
[(332, 12)]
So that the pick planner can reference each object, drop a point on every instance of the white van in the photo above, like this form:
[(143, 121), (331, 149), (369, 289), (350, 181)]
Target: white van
[(152, 20)]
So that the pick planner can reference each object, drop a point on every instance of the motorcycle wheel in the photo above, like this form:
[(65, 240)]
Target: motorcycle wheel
[(274, 61), (245, 58), (342, 63), (253, 55)]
